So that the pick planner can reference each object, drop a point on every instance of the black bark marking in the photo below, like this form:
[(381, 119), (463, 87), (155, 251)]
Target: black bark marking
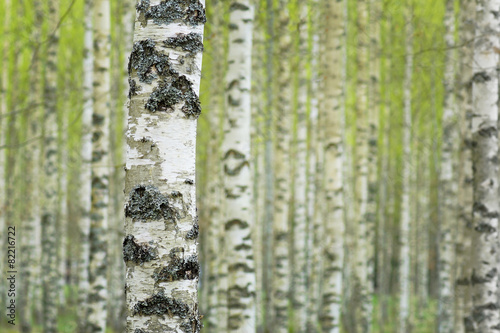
[(475, 279), (147, 203), (481, 77), (189, 181), (159, 304), (236, 222), (134, 88), (193, 325), (488, 132), (170, 92), (97, 119), (166, 12), (178, 268), (238, 6), (236, 170), (191, 42), (234, 154), (149, 63), (137, 252), (194, 232), (479, 312)]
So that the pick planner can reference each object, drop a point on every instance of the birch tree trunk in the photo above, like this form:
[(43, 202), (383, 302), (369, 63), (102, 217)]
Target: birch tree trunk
[(50, 174), (463, 302), (98, 261), (485, 208), (237, 172), (281, 234), (448, 186), (404, 267), (214, 250), (30, 248), (160, 246), (85, 187), (361, 289), (300, 212), (333, 118)]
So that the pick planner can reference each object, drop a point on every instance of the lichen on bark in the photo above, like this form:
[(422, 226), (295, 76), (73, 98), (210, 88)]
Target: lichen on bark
[(147, 203)]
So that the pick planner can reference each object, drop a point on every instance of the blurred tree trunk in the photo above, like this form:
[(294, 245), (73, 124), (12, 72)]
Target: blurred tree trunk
[(85, 187), (447, 183), (50, 173), (463, 301), (362, 291), (160, 246), (300, 212), (333, 118), (404, 236), (237, 172), (30, 246), (213, 249), (317, 201), (281, 257), (484, 275), (98, 293)]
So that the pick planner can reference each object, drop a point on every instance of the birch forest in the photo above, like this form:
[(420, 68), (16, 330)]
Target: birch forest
[(249, 166)]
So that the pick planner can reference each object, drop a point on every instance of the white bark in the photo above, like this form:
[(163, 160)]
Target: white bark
[(404, 236), (281, 235), (98, 237), (237, 172), (463, 301), (333, 118), (160, 246), (85, 186), (447, 180), (50, 174), (300, 200), (485, 209)]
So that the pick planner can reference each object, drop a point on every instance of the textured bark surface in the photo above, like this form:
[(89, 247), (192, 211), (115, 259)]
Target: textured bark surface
[(238, 211), (281, 276), (50, 174), (404, 236), (333, 118), (463, 300), (101, 169), (213, 248), (160, 246), (30, 242), (85, 186), (484, 276), (447, 181), (299, 277), (366, 142)]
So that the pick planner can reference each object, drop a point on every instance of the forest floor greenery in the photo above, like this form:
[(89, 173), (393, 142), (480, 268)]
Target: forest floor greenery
[(423, 318)]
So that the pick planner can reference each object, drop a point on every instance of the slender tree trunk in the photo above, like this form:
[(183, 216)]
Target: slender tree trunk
[(365, 131), (485, 208), (281, 274), (160, 246), (463, 301), (404, 236), (31, 231), (98, 236), (333, 118), (85, 187), (237, 172), (300, 211), (317, 201), (448, 186), (50, 174), (214, 169)]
